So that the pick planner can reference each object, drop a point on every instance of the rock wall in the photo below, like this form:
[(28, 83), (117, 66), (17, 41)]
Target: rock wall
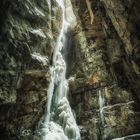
[(103, 66), (28, 32), (105, 92)]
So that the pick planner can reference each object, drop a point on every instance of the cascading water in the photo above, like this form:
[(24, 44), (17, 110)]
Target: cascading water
[(59, 121)]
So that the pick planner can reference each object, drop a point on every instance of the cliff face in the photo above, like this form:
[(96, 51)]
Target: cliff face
[(105, 93), (27, 36), (102, 66)]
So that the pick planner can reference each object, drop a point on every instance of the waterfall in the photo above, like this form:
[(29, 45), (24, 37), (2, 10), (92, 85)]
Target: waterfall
[(59, 121)]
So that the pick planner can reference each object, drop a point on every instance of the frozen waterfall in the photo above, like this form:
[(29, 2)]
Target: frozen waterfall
[(59, 121)]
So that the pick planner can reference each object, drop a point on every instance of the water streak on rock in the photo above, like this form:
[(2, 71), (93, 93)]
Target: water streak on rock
[(101, 105)]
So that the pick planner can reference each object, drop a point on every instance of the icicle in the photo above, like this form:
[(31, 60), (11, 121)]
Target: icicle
[(101, 104)]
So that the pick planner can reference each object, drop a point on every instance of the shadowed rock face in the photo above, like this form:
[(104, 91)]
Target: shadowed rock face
[(105, 92), (103, 66), (26, 43)]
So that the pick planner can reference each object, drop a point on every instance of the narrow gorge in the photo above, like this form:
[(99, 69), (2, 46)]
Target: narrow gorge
[(70, 70)]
